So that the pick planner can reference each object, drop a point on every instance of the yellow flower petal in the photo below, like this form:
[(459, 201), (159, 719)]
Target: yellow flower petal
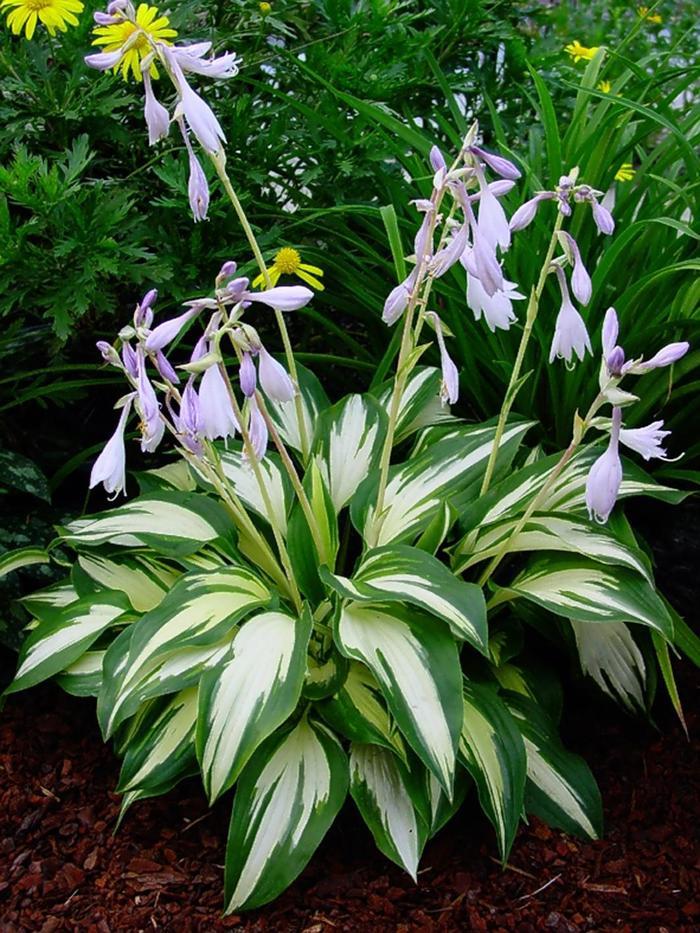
[(314, 269), (314, 283), (31, 25)]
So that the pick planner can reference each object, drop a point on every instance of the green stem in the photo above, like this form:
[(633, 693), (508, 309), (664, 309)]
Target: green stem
[(512, 390), (219, 164)]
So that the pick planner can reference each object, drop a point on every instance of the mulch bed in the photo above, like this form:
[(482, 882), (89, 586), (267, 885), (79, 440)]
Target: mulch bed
[(61, 867)]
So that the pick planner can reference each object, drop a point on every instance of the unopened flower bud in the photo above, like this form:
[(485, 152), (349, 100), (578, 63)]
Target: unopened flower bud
[(109, 354), (502, 167), (247, 376)]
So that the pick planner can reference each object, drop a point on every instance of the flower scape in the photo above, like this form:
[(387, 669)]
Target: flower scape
[(314, 601)]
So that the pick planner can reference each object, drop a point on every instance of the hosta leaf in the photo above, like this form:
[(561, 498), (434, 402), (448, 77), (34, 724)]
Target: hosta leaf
[(287, 797), (440, 808), (44, 602), (416, 663), (379, 786), (249, 694), (22, 557), (170, 644), (609, 655), (420, 404), (170, 522), (349, 439), (358, 711), (399, 573), (160, 750), (314, 401), (449, 470), (561, 789), (581, 589), (63, 637), (551, 533), (133, 576), (83, 678), (176, 475), (303, 552), (245, 484), (491, 748)]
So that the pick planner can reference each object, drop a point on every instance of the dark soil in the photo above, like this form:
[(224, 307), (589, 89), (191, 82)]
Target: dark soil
[(61, 868)]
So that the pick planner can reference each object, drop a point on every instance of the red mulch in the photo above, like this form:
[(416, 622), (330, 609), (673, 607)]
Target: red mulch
[(62, 869)]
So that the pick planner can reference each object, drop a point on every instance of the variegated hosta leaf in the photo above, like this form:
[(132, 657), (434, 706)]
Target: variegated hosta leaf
[(608, 654), (358, 711), (83, 678), (176, 475), (415, 661), (349, 438), (169, 646), (440, 808), (284, 414), (277, 485), (399, 573), (170, 522), (492, 750), (449, 470), (65, 634), (287, 797), (135, 577), (22, 557), (44, 603), (550, 533), (581, 589), (249, 694), (511, 496), (420, 403), (379, 786), (160, 750), (303, 552), (561, 789)]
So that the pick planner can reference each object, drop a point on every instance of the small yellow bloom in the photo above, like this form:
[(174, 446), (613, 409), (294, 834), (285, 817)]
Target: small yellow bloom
[(54, 14), (579, 52), (149, 23), (265, 8), (625, 172), (288, 262), (605, 87), (655, 18)]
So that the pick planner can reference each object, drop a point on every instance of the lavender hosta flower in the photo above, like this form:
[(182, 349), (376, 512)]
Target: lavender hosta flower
[(130, 360), (423, 241), (166, 332), (614, 356), (492, 221), (216, 409), (247, 375), (257, 430), (196, 111), (103, 61), (227, 270), (450, 254), (283, 297), (602, 218), (667, 355), (449, 388), (605, 476), (189, 420), (110, 467), (108, 353), (581, 284), (197, 189), (437, 159), (165, 369), (395, 304), (501, 166), (152, 426), (143, 315), (104, 19), (570, 334), (274, 378), (497, 308), (191, 58), (646, 441), (157, 117), (482, 262)]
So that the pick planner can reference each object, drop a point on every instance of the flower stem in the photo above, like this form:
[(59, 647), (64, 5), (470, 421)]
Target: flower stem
[(514, 383), (219, 165)]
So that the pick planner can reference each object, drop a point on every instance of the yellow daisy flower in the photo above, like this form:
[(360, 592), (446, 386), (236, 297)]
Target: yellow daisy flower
[(625, 172), (288, 262), (605, 87), (54, 14), (265, 8), (149, 23), (579, 52), (655, 18)]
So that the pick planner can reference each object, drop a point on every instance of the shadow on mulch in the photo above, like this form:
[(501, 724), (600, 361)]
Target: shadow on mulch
[(62, 869)]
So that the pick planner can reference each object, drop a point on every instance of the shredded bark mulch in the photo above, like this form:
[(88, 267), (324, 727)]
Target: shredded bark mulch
[(62, 868)]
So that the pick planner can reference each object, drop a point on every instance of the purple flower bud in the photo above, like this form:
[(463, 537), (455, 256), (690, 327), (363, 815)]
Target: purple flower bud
[(581, 284), (449, 389), (615, 362), (198, 190), (602, 217), (152, 426), (284, 297), (646, 441), (611, 328), (274, 379), (102, 61), (257, 430), (109, 354), (130, 360), (165, 369), (247, 376), (437, 160), (157, 117), (236, 289), (104, 19), (499, 188), (227, 270), (117, 6), (665, 357), (166, 332), (450, 254), (502, 167), (525, 214), (189, 422), (110, 467), (149, 299), (605, 476), (423, 241), (395, 304), (216, 410)]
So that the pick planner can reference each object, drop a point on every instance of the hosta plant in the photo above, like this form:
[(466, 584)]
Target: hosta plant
[(317, 601)]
